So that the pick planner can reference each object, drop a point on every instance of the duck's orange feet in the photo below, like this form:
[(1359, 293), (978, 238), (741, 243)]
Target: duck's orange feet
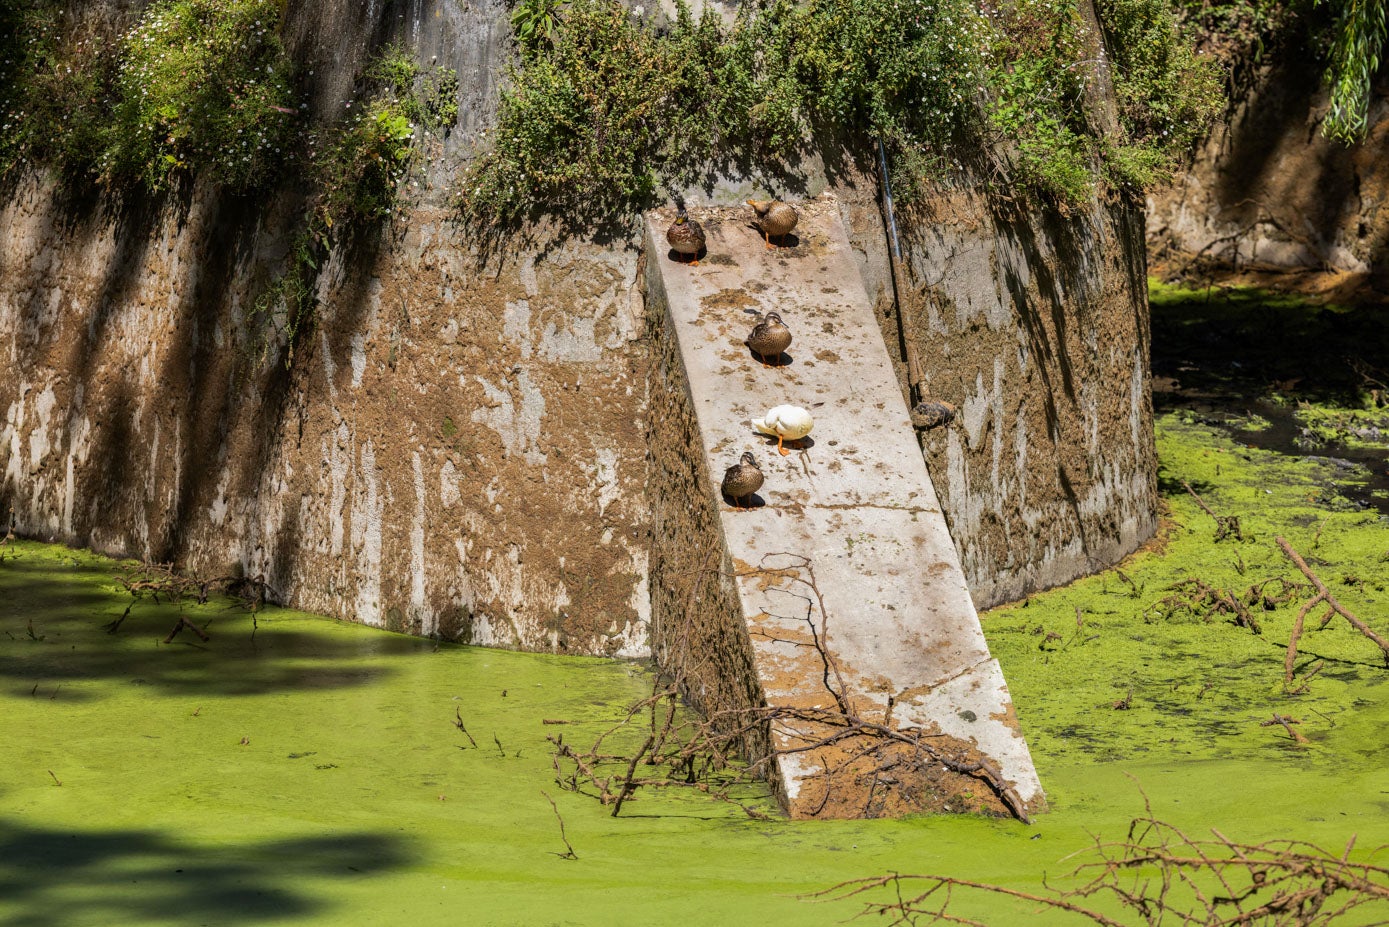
[(780, 449)]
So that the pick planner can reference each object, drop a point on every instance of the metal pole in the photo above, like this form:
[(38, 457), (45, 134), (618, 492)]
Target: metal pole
[(894, 258)]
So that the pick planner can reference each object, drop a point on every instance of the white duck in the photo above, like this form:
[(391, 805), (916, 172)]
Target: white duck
[(785, 423)]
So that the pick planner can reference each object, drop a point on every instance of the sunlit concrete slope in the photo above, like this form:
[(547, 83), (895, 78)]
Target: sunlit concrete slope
[(880, 693)]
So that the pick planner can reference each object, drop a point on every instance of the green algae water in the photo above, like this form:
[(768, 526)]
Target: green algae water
[(298, 770)]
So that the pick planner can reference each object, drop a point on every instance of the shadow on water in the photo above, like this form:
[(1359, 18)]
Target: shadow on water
[(1243, 359), (54, 878), (53, 633)]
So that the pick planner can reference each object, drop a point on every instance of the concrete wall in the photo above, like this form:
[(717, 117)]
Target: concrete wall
[(1036, 329), (463, 445), (1267, 188), (457, 449)]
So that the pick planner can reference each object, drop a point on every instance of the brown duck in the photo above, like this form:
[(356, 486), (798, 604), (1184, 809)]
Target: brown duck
[(775, 219), (769, 338), (742, 479), (686, 236), (932, 413)]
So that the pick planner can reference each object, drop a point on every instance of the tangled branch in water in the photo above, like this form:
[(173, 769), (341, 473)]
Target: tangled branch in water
[(157, 582), (1156, 875)]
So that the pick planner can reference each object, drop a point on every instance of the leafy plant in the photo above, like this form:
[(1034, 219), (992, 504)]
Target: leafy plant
[(55, 91), (603, 109), (363, 166), (356, 176), (1037, 105), (613, 109), (203, 85), (1166, 94), (1354, 59), (535, 22), (428, 97), (359, 171)]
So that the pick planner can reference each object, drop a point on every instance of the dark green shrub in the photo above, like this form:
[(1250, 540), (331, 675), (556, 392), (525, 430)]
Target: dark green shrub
[(28, 34), (612, 109), (603, 109), (586, 123), (204, 85), (1037, 102), (55, 91), (1234, 30), (905, 71), (1167, 95)]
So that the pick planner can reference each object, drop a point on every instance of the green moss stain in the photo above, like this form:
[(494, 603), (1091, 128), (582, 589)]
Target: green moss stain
[(311, 772), (1194, 683)]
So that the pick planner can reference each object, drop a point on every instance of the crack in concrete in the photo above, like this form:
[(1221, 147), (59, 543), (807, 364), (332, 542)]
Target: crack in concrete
[(912, 509), (931, 687)]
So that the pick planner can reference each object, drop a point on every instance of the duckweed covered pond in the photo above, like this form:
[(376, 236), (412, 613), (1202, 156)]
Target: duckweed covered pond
[(312, 773), (306, 771)]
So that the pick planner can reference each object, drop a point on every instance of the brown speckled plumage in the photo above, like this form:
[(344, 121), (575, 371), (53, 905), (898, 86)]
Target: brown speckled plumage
[(932, 413), (775, 219), (769, 337), (686, 236), (742, 479)]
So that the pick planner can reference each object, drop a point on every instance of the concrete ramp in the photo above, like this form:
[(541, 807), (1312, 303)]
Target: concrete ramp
[(879, 693)]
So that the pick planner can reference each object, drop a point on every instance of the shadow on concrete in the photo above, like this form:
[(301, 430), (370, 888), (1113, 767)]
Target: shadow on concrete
[(56, 877)]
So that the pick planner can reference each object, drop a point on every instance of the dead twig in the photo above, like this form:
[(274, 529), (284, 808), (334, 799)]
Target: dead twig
[(724, 752), (1287, 724), (458, 723), (182, 623), (1198, 598), (1225, 525), (162, 583), (568, 847), (1333, 608), (1156, 875)]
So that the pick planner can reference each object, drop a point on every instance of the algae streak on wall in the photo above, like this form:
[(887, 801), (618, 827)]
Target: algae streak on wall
[(461, 445)]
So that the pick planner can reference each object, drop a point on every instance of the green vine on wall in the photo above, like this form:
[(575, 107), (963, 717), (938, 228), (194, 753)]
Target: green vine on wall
[(356, 173), (195, 86), (604, 107)]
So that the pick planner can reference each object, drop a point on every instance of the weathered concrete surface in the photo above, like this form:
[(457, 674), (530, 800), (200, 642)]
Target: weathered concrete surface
[(464, 445), (1036, 328), (1267, 188), (849, 584), (455, 450)]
